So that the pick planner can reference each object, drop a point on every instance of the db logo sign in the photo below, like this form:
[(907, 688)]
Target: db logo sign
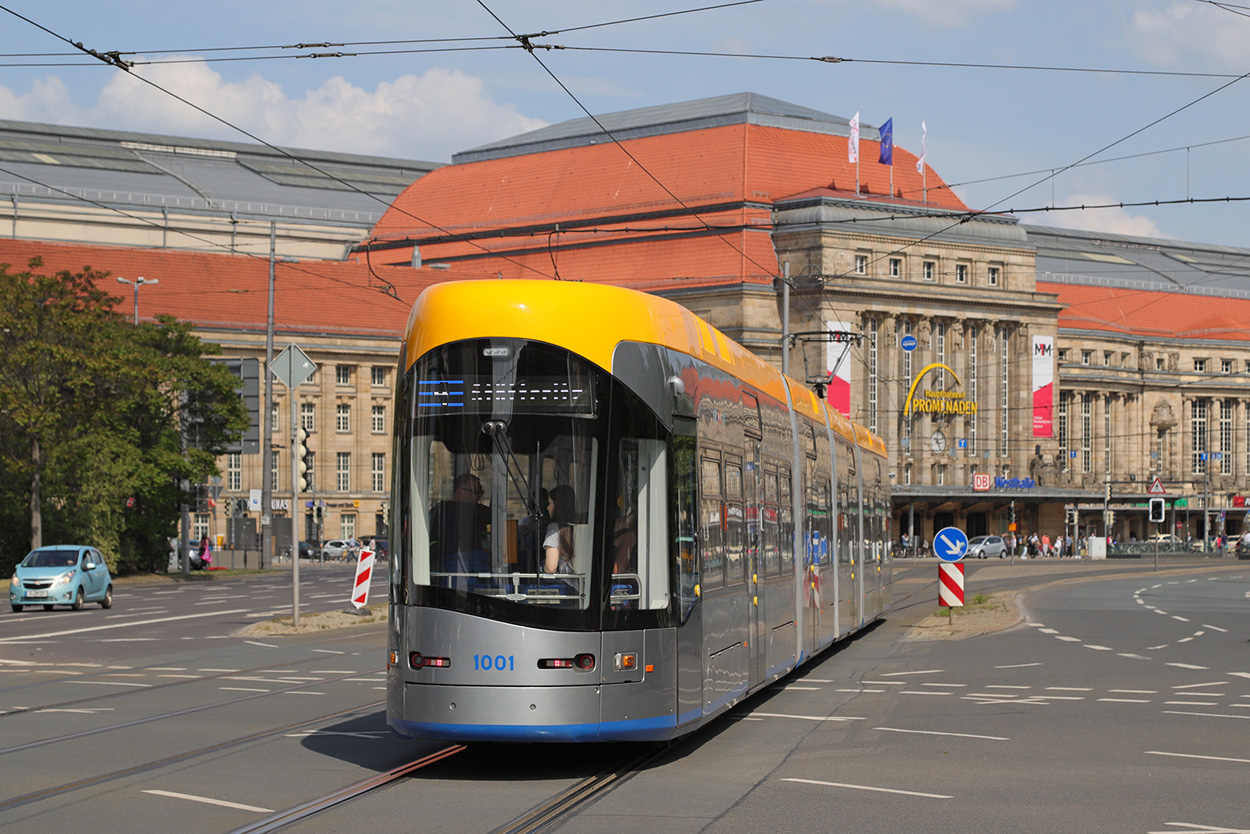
[(981, 481)]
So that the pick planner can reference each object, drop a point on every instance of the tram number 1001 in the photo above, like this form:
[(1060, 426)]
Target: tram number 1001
[(494, 663)]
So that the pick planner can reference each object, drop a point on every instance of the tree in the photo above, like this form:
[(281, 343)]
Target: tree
[(91, 415)]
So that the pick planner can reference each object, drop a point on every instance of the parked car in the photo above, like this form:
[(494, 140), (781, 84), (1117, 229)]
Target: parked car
[(61, 574), (336, 549), (307, 550), (986, 547)]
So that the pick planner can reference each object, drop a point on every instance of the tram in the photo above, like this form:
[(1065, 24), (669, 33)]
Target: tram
[(609, 521)]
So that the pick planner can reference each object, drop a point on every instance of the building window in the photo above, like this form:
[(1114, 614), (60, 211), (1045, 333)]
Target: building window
[(1087, 433), (343, 417), (1198, 435), (1226, 366), (1106, 358), (973, 382), (907, 474), (342, 374), (1004, 416), (378, 471), (379, 419), (378, 375), (1063, 354), (275, 470), (1161, 363), (234, 471), (929, 269), (343, 472), (873, 326), (306, 412), (1226, 437), (347, 526), (1087, 356), (992, 276), (1106, 436), (1200, 365), (1063, 433), (273, 419), (961, 273), (199, 525), (861, 264), (940, 328), (907, 368), (896, 267)]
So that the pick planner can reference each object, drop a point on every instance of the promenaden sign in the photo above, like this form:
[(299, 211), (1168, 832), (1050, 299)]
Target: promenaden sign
[(938, 402)]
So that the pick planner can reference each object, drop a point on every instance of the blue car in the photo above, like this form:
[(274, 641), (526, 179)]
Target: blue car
[(61, 574)]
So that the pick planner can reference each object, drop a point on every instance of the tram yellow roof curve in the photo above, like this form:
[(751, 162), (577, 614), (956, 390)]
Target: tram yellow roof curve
[(588, 319)]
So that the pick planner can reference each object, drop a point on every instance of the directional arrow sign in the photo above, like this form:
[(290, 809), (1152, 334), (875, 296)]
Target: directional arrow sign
[(950, 544)]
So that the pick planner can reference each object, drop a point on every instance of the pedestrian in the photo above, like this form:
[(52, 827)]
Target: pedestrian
[(206, 553), (1046, 544)]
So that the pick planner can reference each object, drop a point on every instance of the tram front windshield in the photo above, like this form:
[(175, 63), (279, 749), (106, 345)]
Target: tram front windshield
[(511, 460)]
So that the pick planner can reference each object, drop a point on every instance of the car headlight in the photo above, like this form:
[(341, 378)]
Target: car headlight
[(15, 582), (65, 578)]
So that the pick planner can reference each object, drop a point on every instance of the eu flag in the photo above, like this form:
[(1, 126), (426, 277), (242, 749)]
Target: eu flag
[(887, 142)]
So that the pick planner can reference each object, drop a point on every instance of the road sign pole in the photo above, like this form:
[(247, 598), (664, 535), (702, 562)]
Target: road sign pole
[(294, 511)]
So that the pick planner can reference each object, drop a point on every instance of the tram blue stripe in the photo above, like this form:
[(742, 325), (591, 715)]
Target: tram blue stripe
[(642, 729)]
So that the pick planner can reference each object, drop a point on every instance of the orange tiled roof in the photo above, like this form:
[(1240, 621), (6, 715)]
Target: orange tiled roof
[(1150, 314), (230, 292), (729, 175)]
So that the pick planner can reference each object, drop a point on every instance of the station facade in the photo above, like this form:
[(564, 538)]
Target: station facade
[(1025, 375)]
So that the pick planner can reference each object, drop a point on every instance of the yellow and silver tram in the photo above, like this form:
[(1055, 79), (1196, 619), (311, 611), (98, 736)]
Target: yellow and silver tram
[(610, 521)]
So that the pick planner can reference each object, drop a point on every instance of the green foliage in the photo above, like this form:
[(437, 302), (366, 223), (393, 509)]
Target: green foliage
[(91, 416)]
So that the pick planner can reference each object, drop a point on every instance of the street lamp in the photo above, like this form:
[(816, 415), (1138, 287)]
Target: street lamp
[(138, 282)]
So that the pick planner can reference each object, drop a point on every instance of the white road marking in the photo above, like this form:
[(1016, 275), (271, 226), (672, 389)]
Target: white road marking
[(1188, 666), (1006, 686), (1182, 619), (948, 685), (1135, 691), (241, 689), (1187, 704), (861, 690), (1126, 700), (808, 717), (1018, 666), (1133, 656), (327, 651), (1203, 714), (1192, 756), (801, 688), (935, 733), (262, 645), (208, 801), (119, 625), (1068, 639), (110, 683), (868, 788), (1198, 685), (1215, 628), (917, 692), (1098, 648), (1069, 689), (923, 672)]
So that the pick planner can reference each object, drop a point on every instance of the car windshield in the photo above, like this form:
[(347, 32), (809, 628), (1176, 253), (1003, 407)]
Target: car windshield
[(978, 540), (51, 559)]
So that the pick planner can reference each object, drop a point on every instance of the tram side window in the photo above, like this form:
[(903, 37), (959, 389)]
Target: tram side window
[(685, 515), (735, 524), (785, 510), (640, 531), (712, 518), (844, 516), (820, 522), (772, 550)]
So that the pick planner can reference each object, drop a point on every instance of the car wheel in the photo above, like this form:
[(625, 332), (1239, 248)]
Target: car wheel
[(107, 602), (17, 609), (77, 599)]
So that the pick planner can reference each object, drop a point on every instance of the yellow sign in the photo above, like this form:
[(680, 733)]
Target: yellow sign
[(938, 402)]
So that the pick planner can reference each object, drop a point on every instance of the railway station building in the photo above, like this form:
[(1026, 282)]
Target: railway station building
[(1017, 374)]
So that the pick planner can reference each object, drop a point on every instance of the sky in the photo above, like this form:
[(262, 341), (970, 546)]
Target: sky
[(1051, 108)]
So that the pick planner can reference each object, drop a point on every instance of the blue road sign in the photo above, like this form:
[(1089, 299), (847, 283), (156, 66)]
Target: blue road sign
[(908, 343), (950, 544), (963, 443)]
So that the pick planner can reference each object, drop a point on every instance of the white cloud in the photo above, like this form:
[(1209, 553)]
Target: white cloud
[(1186, 35), (1116, 221), (428, 117)]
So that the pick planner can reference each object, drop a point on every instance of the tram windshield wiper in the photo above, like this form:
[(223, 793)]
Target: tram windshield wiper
[(497, 431)]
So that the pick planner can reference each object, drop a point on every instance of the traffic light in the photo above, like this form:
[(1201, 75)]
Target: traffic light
[(229, 507), (301, 454), (1156, 509)]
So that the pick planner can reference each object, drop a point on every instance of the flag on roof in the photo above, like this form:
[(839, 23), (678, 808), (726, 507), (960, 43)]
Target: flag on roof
[(924, 132), (887, 142), (852, 148)]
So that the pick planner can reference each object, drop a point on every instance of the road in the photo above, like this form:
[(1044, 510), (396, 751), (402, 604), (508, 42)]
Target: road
[(1120, 703)]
